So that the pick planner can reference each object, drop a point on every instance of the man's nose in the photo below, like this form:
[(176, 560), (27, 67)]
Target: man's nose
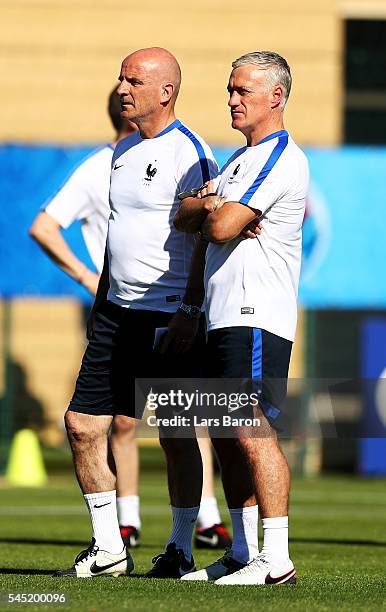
[(122, 89), (234, 99)]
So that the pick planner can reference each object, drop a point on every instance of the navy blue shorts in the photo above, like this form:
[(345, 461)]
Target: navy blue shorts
[(254, 354), (121, 350)]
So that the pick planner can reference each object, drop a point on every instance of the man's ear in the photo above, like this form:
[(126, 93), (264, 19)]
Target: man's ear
[(277, 95), (167, 92)]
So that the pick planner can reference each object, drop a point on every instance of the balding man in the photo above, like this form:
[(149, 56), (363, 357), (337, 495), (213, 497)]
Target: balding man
[(143, 288)]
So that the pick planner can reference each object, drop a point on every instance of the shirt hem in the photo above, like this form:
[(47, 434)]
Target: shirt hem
[(268, 328), (138, 306)]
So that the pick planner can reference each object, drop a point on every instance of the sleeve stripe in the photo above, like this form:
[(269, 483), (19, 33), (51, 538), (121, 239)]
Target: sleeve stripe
[(269, 164), (200, 151)]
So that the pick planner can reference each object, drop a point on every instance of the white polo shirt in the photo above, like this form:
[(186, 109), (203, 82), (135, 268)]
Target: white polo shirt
[(149, 259), (254, 282), (85, 197)]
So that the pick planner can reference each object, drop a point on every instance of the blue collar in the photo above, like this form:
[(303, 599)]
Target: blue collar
[(170, 127), (274, 135)]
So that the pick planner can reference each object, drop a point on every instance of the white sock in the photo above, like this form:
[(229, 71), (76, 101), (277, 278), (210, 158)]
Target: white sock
[(184, 520), (102, 508), (245, 545), (128, 511), (276, 538), (209, 514)]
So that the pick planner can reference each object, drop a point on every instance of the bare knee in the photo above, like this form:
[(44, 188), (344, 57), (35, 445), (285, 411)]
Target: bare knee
[(246, 445), (123, 427), (84, 430), (263, 451)]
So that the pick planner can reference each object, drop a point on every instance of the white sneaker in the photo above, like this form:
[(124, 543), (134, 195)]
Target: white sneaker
[(262, 571), (222, 567), (95, 562)]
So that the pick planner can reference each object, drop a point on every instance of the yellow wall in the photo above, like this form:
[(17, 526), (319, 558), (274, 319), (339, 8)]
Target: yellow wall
[(59, 58), (45, 349)]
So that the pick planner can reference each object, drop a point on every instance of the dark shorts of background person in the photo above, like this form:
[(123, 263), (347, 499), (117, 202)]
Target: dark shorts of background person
[(120, 350), (254, 355)]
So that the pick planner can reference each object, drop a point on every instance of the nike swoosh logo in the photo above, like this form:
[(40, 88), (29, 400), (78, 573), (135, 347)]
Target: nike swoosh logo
[(213, 540), (101, 505), (270, 580), (116, 167), (95, 569)]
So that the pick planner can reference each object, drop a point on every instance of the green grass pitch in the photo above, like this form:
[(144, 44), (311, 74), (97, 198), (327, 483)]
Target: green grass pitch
[(338, 544)]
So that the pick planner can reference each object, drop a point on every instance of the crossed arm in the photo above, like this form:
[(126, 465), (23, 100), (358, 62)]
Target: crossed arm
[(218, 221)]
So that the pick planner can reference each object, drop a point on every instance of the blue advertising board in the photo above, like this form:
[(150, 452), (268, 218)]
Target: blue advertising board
[(344, 246), (372, 455), (29, 176)]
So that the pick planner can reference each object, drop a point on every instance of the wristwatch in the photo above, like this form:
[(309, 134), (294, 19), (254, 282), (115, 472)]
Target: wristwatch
[(192, 193), (188, 194), (193, 312)]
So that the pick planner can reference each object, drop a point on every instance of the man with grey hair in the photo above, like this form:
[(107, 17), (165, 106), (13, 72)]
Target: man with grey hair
[(278, 71), (251, 308)]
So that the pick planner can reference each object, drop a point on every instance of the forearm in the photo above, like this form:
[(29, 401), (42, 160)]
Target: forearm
[(214, 230), (227, 222), (192, 213), (194, 293), (52, 242)]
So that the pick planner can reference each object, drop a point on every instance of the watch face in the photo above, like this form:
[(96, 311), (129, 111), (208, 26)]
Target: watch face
[(190, 194), (191, 311), (194, 312), (185, 194)]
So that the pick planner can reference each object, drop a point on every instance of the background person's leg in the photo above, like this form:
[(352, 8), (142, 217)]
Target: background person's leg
[(210, 532), (126, 456), (125, 451), (205, 446)]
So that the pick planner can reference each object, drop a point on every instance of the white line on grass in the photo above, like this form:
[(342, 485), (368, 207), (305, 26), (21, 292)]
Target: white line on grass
[(296, 509), (68, 510)]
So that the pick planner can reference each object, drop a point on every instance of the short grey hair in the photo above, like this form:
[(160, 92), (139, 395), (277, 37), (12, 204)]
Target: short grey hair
[(279, 70)]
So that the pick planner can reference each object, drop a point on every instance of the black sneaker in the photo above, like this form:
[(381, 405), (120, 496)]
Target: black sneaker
[(130, 536), (222, 567), (171, 564), (215, 537)]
